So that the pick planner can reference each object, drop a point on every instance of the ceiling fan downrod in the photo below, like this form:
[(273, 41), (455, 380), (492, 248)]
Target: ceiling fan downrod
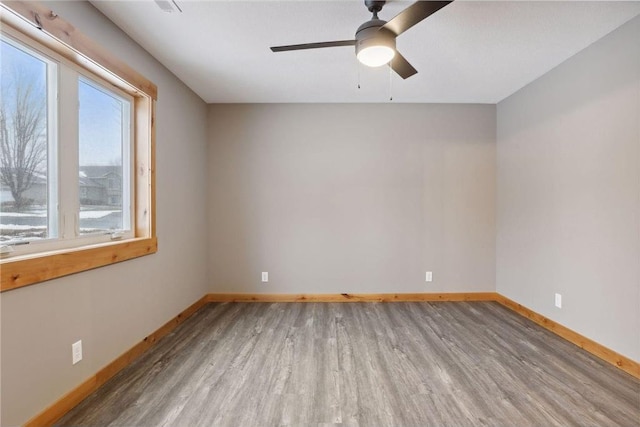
[(374, 7)]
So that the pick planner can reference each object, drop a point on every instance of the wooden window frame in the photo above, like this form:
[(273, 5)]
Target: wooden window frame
[(45, 27)]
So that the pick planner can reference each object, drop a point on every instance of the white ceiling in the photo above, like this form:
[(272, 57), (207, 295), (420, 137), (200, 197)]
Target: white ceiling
[(469, 52)]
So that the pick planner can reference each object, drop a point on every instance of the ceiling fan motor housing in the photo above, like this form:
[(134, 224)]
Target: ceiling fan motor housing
[(370, 34)]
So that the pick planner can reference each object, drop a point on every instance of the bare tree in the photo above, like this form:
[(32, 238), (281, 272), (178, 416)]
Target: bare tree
[(23, 146)]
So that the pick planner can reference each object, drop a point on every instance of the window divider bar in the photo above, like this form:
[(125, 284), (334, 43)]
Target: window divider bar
[(68, 157)]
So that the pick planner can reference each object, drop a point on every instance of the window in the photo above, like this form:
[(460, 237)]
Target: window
[(88, 126), (39, 209), (27, 145), (104, 159), (76, 152)]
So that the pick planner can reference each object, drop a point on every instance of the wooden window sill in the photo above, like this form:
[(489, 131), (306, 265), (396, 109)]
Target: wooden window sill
[(35, 268)]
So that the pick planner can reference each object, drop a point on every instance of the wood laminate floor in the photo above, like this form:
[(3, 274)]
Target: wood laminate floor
[(363, 364)]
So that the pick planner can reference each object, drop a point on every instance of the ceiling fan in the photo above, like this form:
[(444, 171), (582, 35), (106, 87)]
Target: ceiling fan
[(375, 40)]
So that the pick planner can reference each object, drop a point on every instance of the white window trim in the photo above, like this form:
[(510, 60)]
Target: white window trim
[(63, 78)]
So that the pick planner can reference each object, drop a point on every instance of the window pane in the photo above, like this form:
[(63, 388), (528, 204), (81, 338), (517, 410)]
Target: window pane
[(104, 160), (24, 182)]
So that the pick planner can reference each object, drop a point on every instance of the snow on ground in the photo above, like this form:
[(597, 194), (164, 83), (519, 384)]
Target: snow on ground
[(95, 214), (38, 214), (43, 214), (23, 227)]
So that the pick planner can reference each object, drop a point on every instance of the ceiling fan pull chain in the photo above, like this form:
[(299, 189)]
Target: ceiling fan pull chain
[(390, 81), (358, 65)]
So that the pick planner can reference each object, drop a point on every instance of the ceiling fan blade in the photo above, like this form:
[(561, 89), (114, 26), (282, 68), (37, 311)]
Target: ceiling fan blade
[(402, 67), (313, 45), (413, 14)]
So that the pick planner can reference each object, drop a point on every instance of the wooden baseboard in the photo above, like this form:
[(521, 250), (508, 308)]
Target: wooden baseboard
[(626, 364), (467, 296), (63, 405)]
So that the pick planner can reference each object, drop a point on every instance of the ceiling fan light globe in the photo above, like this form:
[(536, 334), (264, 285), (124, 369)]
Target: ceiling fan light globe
[(375, 46), (376, 56)]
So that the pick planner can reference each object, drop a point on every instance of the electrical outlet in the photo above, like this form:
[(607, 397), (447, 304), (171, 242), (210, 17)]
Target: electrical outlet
[(265, 276), (428, 277), (558, 300), (76, 352)]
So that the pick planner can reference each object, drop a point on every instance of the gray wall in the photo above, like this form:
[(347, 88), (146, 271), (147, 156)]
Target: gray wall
[(352, 198), (112, 308), (568, 209)]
